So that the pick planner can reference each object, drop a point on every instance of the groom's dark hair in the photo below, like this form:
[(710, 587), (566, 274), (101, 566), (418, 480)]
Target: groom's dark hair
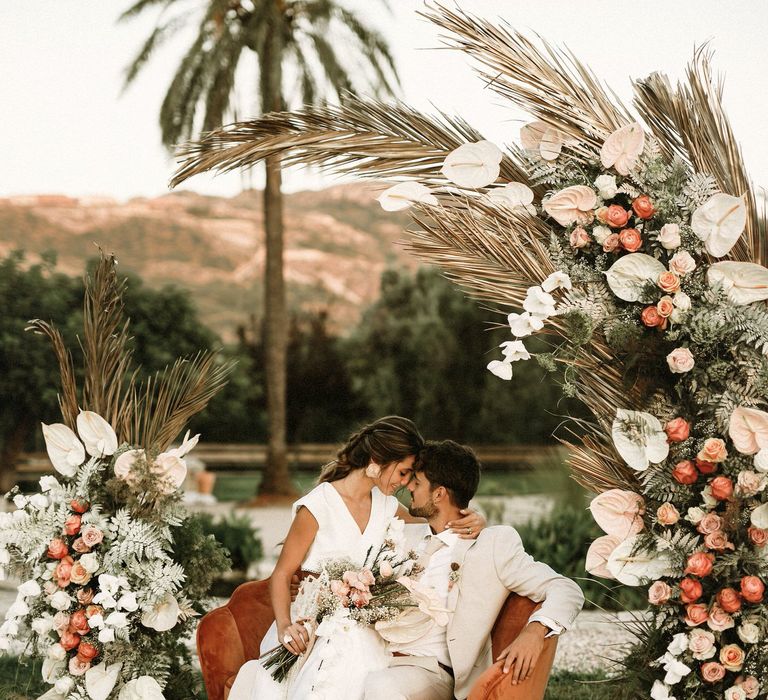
[(450, 465)]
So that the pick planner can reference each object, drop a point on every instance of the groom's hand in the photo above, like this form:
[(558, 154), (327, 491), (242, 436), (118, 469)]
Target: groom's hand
[(521, 656)]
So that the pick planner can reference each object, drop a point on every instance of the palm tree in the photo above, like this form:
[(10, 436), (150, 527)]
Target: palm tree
[(304, 51)]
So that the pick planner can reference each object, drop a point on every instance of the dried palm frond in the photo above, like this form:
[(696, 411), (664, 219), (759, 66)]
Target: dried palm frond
[(68, 402), (549, 83), (596, 465), (690, 122)]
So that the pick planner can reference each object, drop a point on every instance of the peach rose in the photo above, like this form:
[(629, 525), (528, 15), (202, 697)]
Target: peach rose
[(630, 239), (611, 243), (729, 600), (669, 282), (722, 488), (685, 472), (667, 514), (757, 536), (680, 360), (92, 535), (79, 506), (711, 522), (752, 589), (57, 549), (701, 643), (690, 590), (714, 450), (72, 525), (751, 687), (86, 651), (712, 672), (85, 596), (700, 564), (616, 216), (80, 546), (705, 467), (695, 614), (719, 620), (92, 610), (78, 667), (69, 640), (665, 306), (659, 593), (643, 207), (79, 623), (80, 575), (601, 214), (579, 238), (651, 317), (677, 430), (717, 540), (732, 657)]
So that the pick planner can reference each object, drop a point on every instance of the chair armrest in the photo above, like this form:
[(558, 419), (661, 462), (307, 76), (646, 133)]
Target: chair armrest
[(220, 650), (493, 684)]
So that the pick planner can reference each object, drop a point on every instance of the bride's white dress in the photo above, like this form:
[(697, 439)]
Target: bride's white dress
[(343, 653)]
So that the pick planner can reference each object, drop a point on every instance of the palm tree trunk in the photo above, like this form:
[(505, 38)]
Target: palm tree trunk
[(276, 478)]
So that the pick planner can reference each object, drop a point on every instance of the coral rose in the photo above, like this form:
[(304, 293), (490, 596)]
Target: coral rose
[(732, 657), (665, 306), (79, 506), (611, 243), (685, 472), (757, 536), (690, 590), (677, 430), (729, 600), (69, 640), (659, 593), (669, 282), (92, 535), (579, 238), (616, 216), (722, 488), (705, 467), (630, 239), (713, 451), (712, 672), (700, 564), (667, 514), (63, 571), (752, 589), (57, 549), (86, 651), (79, 623), (643, 207), (695, 614), (72, 525), (651, 317)]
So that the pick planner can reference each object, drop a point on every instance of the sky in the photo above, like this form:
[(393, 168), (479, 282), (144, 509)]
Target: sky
[(67, 127)]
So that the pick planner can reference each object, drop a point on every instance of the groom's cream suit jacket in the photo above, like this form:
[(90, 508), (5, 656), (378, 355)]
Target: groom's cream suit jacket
[(491, 567)]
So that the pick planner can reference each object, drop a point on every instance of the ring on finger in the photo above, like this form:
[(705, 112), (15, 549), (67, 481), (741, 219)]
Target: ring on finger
[(287, 639), (469, 530)]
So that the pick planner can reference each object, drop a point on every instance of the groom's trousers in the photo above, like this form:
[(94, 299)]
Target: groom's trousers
[(410, 678)]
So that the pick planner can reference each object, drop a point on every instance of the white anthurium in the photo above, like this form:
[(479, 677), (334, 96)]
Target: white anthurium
[(557, 280), (99, 437), (618, 513), (636, 568), (101, 679), (539, 303), (719, 222), (659, 691), (759, 517), (639, 438), (52, 669), (514, 350), (473, 164), (163, 615), (405, 194), (513, 195), (678, 644), (141, 688), (598, 553), (748, 429), (622, 148), (574, 204), (65, 450), (187, 445), (410, 625), (547, 140), (676, 670), (522, 325), (503, 370), (761, 461), (630, 273), (744, 282)]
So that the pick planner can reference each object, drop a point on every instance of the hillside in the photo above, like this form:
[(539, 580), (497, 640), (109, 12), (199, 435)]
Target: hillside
[(338, 241)]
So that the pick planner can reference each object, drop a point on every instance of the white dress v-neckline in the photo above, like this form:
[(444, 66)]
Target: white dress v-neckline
[(371, 514)]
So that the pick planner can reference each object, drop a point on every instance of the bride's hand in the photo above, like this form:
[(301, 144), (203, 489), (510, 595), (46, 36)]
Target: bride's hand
[(470, 526), (294, 637)]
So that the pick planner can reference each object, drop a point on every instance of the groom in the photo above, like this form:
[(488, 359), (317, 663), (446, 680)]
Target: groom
[(473, 579)]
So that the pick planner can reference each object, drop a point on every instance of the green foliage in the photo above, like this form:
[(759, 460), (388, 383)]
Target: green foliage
[(203, 557), (236, 534)]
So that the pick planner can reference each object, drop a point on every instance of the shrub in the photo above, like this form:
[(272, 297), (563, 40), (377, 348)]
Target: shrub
[(237, 534)]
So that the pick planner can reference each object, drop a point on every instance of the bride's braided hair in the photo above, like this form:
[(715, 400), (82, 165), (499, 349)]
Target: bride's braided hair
[(389, 439)]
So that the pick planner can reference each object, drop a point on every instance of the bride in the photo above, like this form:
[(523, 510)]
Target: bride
[(345, 515)]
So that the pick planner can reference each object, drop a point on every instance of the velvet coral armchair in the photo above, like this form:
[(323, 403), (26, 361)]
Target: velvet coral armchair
[(229, 636)]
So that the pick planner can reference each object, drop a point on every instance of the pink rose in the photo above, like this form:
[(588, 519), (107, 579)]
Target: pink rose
[(701, 643), (611, 243), (717, 540), (667, 514), (677, 430), (80, 547), (732, 657), (752, 589), (722, 488), (616, 216), (690, 590), (643, 207), (685, 472), (92, 535), (711, 522), (659, 593), (682, 263), (360, 598), (339, 588), (50, 587), (712, 672), (757, 536), (669, 282), (72, 525), (713, 451), (367, 577), (57, 549), (61, 622), (665, 306), (700, 564), (680, 360), (78, 667), (579, 238), (749, 483), (695, 614), (729, 600), (719, 620), (84, 596), (751, 687)]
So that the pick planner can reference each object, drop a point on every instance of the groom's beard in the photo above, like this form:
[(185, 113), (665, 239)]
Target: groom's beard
[(426, 511)]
